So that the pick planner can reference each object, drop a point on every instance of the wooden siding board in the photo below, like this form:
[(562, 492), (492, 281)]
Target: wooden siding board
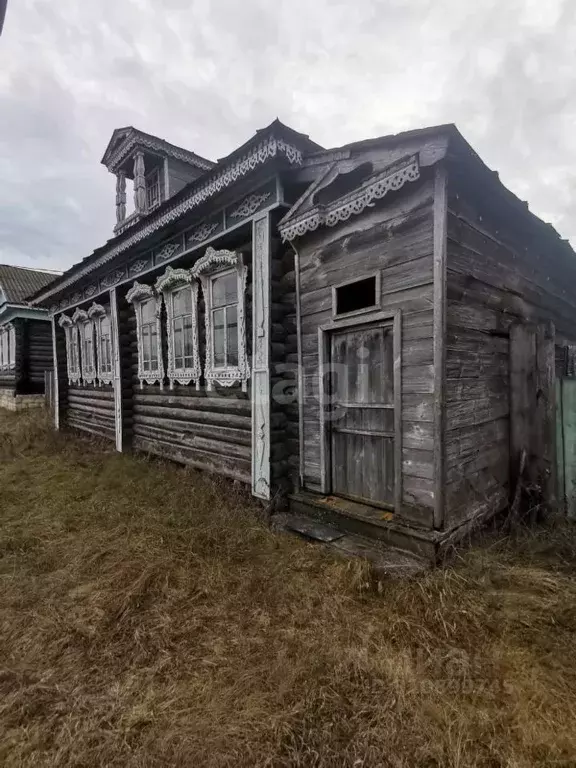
[(397, 241)]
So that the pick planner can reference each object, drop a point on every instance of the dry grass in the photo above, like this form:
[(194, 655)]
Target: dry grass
[(148, 618)]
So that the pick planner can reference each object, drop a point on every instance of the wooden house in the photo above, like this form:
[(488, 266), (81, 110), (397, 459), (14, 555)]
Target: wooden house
[(25, 338), (371, 332)]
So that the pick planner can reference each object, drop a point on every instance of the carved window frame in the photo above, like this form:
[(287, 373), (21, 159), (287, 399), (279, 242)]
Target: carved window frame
[(97, 313), (170, 282), (137, 296), (72, 348), (215, 264), (11, 330), (4, 348), (87, 362)]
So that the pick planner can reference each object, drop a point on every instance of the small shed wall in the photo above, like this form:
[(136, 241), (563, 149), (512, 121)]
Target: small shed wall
[(501, 269), (396, 239)]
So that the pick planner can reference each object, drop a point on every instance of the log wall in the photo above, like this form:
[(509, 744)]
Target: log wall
[(396, 239), (91, 409), (39, 357), (501, 269), (206, 430)]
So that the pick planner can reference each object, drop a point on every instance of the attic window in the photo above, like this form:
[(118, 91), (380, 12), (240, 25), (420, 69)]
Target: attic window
[(153, 189), (342, 184), (357, 296)]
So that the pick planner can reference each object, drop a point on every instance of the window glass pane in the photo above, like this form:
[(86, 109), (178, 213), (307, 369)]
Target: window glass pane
[(153, 347), (146, 347), (232, 334), (182, 302), (225, 289), (178, 343), (188, 348), (218, 319), (147, 309)]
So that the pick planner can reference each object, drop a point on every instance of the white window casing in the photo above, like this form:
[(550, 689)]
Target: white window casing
[(180, 292), (148, 306), (104, 342), (88, 354), (226, 356), (3, 348), (72, 349), (11, 347)]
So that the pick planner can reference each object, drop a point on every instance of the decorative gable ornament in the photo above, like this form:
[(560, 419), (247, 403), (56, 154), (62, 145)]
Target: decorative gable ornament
[(353, 203)]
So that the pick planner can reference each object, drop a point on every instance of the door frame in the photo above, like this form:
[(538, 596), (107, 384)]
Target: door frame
[(394, 320)]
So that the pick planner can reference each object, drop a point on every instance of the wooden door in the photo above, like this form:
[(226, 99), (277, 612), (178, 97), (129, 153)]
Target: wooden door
[(361, 419)]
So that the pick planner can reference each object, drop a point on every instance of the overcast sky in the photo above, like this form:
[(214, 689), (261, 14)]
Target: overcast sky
[(206, 73)]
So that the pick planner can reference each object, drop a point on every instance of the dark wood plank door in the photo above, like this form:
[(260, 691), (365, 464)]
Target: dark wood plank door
[(361, 418)]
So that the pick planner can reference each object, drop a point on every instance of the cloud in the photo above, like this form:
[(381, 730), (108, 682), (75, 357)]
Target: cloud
[(206, 73)]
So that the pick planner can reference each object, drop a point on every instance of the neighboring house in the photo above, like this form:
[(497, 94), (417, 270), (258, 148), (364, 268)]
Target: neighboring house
[(25, 337), (370, 330)]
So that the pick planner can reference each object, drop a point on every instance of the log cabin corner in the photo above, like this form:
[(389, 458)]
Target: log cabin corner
[(376, 333), (25, 338)]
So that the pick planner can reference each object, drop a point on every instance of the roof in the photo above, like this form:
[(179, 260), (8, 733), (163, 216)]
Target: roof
[(267, 143), (18, 283), (124, 140)]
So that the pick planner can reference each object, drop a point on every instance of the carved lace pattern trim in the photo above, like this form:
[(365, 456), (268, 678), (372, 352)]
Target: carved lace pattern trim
[(167, 251), (260, 154), (249, 205), (170, 281), (72, 338), (202, 233), (213, 263), (96, 312), (143, 141), (136, 295), (354, 203)]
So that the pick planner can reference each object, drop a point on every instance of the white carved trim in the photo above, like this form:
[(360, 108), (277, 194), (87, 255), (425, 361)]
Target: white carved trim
[(261, 358), (8, 362), (249, 205), (96, 313), (171, 281), (81, 320), (267, 149), (353, 203), (71, 333), (159, 146), (167, 251), (202, 233), (116, 371), (214, 264), (136, 296), (56, 383)]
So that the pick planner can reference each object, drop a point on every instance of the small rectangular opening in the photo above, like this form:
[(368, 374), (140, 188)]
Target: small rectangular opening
[(356, 296)]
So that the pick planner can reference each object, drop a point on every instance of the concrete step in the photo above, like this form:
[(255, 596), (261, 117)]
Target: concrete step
[(385, 561), (368, 522)]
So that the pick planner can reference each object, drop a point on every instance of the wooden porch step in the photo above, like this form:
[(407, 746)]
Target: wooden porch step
[(369, 522), (385, 561)]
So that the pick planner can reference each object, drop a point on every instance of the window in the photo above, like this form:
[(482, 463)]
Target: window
[(101, 321), (4, 353), (180, 292), (11, 346), (357, 296), (147, 305), (153, 189), (72, 348), (225, 319), (85, 327), (223, 278)]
